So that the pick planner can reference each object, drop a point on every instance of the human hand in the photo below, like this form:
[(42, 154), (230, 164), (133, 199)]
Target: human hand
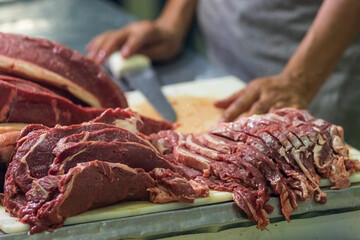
[(155, 39), (266, 94)]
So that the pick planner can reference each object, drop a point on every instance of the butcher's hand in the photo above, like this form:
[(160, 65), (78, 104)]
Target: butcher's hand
[(158, 41), (263, 95)]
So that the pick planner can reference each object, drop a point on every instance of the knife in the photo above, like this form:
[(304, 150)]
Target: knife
[(137, 70)]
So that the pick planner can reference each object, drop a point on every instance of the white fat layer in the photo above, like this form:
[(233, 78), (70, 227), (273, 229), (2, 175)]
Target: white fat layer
[(40, 74), (339, 147), (260, 147), (181, 139), (61, 170), (192, 155), (192, 160), (283, 154), (316, 151), (86, 136), (199, 149), (318, 122), (306, 141), (273, 115), (160, 146), (269, 140), (40, 189), (301, 183), (333, 130), (295, 141), (312, 136), (216, 143), (129, 124), (41, 138), (122, 166), (285, 142), (321, 140), (297, 153)]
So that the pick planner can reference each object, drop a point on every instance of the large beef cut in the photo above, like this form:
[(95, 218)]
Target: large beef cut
[(27, 102), (283, 152), (53, 170), (59, 68)]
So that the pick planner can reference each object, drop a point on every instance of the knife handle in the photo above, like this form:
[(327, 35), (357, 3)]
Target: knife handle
[(118, 65)]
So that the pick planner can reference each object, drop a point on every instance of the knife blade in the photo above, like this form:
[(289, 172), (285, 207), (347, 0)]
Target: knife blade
[(137, 70)]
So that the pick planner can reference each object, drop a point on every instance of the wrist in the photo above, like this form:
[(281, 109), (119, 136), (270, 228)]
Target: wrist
[(307, 72)]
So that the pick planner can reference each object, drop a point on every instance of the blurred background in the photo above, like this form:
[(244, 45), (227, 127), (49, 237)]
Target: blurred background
[(75, 22)]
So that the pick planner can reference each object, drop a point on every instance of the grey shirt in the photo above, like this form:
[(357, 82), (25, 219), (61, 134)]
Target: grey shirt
[(255, 38)]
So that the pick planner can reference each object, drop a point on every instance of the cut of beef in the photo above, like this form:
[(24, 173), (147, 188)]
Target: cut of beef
[(133, 154), (27, 102), (54, 198), (55, 65), (282, 152), (123, 120), (134, 122), (53, 168)]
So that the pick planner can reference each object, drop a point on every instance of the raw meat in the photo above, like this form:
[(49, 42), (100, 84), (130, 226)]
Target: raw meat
[(59, 68), (284, 152), (53, 169), (89, 185), (26, 102)]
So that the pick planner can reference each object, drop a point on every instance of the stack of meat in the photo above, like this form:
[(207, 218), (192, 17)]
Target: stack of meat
[(47, 83), (282, 153), (63, 171), (60, 69)]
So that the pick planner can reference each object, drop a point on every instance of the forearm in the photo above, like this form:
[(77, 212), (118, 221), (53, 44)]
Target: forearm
[(334, 28), (178, 15)]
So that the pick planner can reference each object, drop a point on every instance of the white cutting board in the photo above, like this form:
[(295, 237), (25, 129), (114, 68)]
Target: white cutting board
[(215, 88)]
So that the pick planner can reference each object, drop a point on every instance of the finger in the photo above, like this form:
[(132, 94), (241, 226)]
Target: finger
[(110, 45), (240, 105), (224, 103), (135, 42), (94, 46)]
